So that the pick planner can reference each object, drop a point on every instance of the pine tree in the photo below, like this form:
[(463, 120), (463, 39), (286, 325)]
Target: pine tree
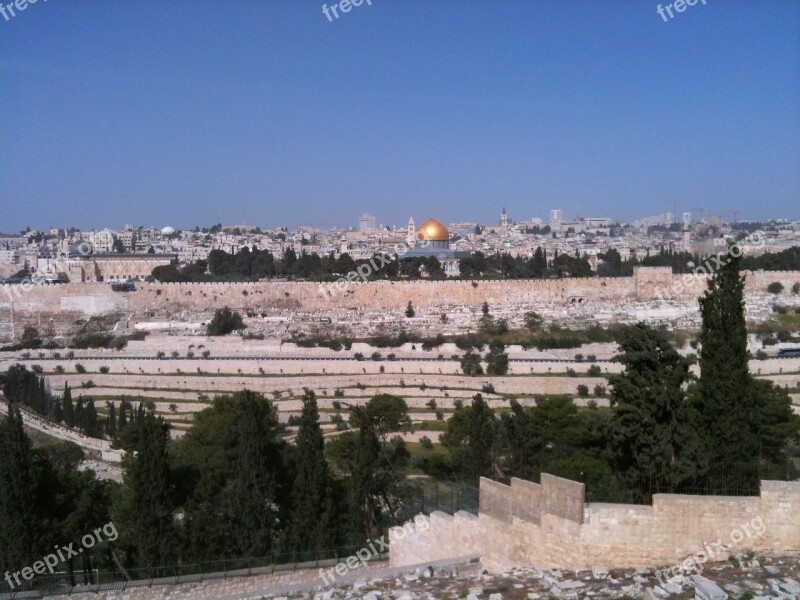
[(313, 523), (69, 409), (655, 447), (473, 435), (251, 500), (728, 417)]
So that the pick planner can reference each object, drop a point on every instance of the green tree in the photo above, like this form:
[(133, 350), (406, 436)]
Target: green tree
[(229, 466), (473, 437), (497, 359), (224, 322), (655, 448), (471, 364), (146, 501), (313, 522), (728, 418), (68, 407), (20, 526), (776, 287)]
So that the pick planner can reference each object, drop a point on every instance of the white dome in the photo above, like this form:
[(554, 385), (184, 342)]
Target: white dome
[(168, 230)]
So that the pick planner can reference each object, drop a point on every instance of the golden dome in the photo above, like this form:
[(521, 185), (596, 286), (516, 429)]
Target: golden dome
[(433, 230)]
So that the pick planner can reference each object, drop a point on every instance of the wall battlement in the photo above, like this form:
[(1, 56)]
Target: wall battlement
[(549, 525)]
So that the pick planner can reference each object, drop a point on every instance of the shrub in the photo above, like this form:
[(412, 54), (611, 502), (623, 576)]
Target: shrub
[(487, 388), (206, 353), (583, 390), (431, 404), (104, 370), (594, 371), (338, 393), (190, 354), (59, 369), (761, 355), (37, 368), (382, 369), (599, 390), (160, 354), (376, 356), (796, 288), (391, 356), (225, 321), (776, 287), (439, 415), (571, 372), (591, 357), (579, 357), (458, 403), (426, 442), (358, 356), (79, 368)]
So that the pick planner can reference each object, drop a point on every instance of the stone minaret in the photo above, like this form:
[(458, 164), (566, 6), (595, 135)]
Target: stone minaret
[(411, 236)]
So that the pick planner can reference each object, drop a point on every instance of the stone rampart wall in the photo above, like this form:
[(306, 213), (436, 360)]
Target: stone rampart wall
[(549, 525), (199, 297)]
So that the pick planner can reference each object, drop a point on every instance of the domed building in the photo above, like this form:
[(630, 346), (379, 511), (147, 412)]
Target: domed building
[(435, 232), (433, 239)]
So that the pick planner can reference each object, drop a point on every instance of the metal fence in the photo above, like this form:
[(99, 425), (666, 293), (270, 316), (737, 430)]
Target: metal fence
[(190, 572), (448, 497)]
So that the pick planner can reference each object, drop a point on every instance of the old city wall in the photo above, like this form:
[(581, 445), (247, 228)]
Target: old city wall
[(59, 306), (549, 525)]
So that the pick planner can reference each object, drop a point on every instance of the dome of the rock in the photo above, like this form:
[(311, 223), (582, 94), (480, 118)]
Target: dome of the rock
[(433, 230)]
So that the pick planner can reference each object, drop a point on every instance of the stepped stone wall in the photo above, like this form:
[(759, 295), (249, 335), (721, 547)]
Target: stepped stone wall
[(549, 525)]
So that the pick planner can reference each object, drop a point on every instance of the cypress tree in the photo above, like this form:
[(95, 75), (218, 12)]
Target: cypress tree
[(89, 419), (313, 517), (123, 416), (19, 526), (363, 507), (69, 409), (111, 421), (79, 413), (146, 502), (728, 417)]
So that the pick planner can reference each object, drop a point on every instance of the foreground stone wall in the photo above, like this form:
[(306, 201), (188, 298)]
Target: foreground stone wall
[(549, 525)]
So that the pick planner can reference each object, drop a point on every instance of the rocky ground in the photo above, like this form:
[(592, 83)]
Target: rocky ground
[(756, 578)]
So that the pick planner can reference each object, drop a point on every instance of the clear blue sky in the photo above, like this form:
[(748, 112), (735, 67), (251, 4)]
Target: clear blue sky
[(170, 112)]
